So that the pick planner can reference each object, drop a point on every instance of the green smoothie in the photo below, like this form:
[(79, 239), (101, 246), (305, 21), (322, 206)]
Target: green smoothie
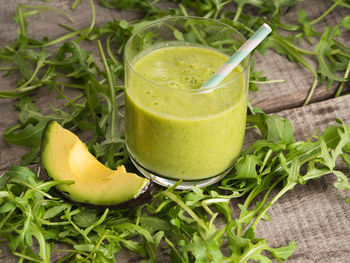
[(172, 129)]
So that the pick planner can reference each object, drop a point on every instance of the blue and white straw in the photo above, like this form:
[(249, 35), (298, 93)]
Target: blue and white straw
[(236, 58)]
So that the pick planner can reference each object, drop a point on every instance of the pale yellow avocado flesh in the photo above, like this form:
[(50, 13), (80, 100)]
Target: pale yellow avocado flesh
[(66, 157)]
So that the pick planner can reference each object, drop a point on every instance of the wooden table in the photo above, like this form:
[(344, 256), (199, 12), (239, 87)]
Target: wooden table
[(315, 215)]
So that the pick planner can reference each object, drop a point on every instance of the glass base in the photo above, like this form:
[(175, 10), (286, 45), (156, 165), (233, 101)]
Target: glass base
[(184, 185)]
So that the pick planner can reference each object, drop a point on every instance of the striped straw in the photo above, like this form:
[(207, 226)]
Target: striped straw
[(236, 58)]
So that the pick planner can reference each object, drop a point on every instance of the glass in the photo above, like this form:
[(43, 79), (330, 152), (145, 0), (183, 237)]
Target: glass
[(173, 129)]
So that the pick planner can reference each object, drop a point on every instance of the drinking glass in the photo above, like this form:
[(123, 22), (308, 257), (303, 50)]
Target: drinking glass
[(176, 130)]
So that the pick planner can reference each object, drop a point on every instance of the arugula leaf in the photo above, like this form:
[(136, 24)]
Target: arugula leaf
[(194, 236), (85, 218), (345, 22), (246, 167), (305, 25), (279, 130), (30, 136), (283, 253), (323, 49)]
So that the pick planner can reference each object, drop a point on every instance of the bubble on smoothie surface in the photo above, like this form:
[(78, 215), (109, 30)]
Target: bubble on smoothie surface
[(174, 84)]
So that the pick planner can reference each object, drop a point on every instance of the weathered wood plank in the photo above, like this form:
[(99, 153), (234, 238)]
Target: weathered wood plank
[(298, 80), (315, 216), (297, 98)]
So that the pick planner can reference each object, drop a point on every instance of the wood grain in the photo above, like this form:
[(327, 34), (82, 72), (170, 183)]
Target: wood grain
[(316, 215), (297, 98)]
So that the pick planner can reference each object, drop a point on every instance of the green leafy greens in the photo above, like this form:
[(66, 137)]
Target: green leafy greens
[(196, 225), (184, 220)]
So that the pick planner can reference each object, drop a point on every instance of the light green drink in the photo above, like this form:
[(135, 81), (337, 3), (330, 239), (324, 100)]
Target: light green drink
[(173, 129)]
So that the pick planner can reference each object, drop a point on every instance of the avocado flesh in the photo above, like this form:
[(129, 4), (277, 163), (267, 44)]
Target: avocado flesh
[(66, 157)]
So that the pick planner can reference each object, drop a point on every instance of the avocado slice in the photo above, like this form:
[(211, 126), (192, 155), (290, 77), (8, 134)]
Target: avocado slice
[(65, 157)]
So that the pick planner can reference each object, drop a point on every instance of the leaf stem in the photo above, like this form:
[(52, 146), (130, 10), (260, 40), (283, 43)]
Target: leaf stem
[(64, 96), (13, 180), (268, 81), (89, 29), (8, 68), (60, 39), (99, 242), (68, 216), (186, 208), (346, 75), (311, 91), (238, 13), (44, 8), (247, 254), (281, 41), (345, 5), (325, 13), (200, 38), (22, 256), (3, 221), (49, 223), (39, 65), (339, 44), (109, 51), (2, 56), (274, 199), (65, 84), (111, 87), (254, 193), (22, 22)]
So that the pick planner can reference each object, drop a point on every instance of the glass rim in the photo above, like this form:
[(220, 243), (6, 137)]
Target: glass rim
[(155, 22)]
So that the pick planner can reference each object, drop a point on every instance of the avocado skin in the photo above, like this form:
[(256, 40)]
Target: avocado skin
[(44, 139), (144, 196)]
